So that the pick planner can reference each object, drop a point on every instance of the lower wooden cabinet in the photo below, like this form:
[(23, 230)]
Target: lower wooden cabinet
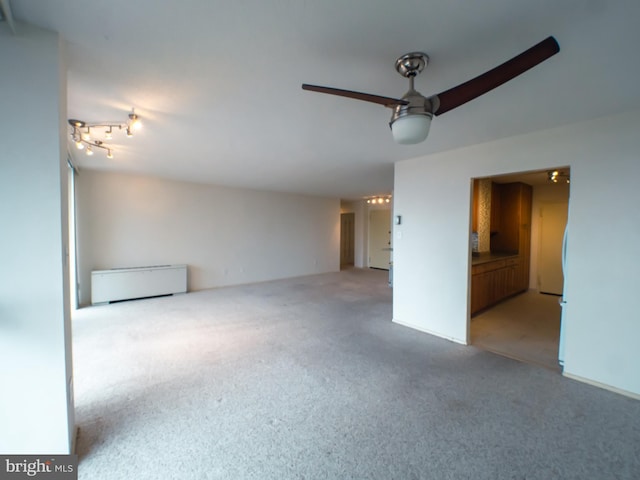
[(494, 281)]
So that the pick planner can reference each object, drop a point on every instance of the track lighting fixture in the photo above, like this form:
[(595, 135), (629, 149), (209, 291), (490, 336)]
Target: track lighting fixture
[(556, 175), (84, 133), (379, 200)]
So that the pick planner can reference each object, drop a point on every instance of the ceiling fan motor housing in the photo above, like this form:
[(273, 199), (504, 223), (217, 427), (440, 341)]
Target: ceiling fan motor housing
[(418, 105)]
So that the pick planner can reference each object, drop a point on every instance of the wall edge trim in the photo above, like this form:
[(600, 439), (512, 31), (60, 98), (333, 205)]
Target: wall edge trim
[(430, 332)]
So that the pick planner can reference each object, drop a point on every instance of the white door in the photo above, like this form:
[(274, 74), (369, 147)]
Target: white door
[(380, 239), (553, 220)]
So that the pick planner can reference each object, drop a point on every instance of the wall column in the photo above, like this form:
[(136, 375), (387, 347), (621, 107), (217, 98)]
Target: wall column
[(36, 404)]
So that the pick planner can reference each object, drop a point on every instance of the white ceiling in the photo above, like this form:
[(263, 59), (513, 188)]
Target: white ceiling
[(218, 83)]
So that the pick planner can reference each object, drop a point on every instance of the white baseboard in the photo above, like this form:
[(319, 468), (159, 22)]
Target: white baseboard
[(604, 386), (430, 332)]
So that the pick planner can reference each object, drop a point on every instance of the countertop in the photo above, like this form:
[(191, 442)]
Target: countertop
[(486, 257)]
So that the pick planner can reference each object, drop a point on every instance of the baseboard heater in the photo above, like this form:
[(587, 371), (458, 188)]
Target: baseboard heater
[(138, 282)]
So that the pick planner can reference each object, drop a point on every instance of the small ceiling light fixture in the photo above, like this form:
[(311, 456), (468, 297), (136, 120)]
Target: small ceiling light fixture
[(557, 175), (82, 132), (379, 200)]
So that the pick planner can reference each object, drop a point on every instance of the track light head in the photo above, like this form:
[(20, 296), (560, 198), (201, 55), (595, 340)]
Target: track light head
[(76, 123), (134, 120)]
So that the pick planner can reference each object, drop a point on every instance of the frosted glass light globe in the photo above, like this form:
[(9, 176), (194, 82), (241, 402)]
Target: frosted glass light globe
[(411, 129)]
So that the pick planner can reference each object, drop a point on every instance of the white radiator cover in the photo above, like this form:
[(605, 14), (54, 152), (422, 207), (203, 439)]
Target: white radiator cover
[(139, 282)]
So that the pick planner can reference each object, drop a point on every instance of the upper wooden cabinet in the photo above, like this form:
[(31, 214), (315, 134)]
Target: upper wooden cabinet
[(511, 218), (495, 208)]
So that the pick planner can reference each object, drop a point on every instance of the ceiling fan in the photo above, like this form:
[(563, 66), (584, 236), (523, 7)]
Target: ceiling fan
[(412, 113)]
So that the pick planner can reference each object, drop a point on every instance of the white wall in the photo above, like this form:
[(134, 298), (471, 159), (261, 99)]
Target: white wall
[(36, 403), (226, 236), (431, 260)]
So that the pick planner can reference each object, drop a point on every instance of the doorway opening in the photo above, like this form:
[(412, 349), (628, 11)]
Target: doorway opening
[(516, 279), (365, 234), (380, 238)]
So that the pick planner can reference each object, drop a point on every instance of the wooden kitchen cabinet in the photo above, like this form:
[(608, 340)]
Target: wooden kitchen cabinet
[(493, 281), (495, 208), (511, 217), (480, 292)]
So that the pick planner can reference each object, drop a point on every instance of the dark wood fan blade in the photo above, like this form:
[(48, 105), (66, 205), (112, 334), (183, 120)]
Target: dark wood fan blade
[(367, 97), (456, 96)]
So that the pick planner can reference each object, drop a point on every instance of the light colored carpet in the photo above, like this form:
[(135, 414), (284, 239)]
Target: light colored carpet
[(525, 327), (308, 378)]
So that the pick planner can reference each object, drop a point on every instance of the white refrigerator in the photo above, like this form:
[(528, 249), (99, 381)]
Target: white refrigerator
[(563, 299)]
